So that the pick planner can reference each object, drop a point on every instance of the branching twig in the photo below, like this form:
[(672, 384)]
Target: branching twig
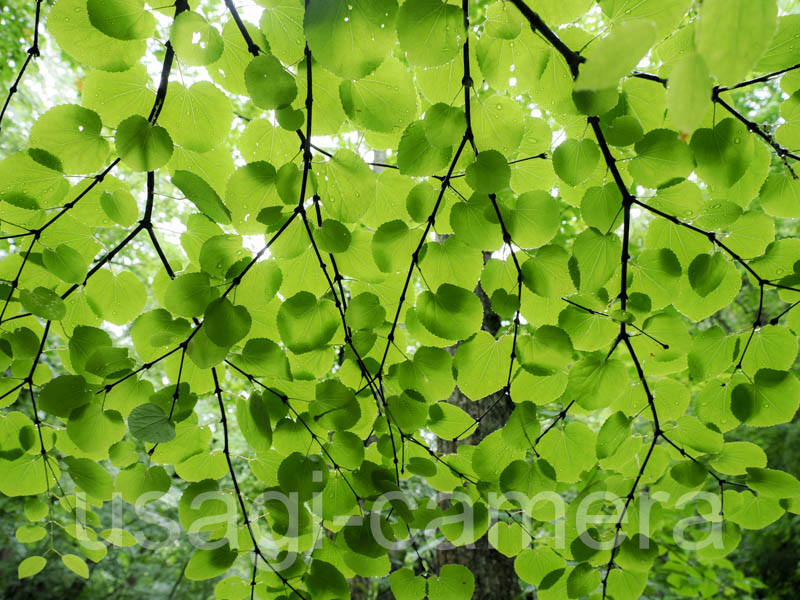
[(573, 59), (33, 52)]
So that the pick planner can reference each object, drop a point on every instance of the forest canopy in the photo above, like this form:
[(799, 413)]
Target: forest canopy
[(445, 299)]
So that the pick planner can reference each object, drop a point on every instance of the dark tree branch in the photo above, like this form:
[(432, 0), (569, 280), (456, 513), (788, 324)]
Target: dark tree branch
[(761, 79), (783, 153), (285, 400), (339, 301), (445, 182), (573, 59), (753, 127), (712, 237), (252, 47), (33, 52), (226, 450)]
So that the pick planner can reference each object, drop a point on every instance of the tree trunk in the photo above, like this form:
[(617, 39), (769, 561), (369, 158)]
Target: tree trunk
[(495, 578)]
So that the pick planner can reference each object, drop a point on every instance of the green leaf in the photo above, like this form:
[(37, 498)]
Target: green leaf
[(31, 566), (326, 582), (30, 534), (595, 102), (349, 186), (135, 482), (688, 93), (43, 303), (537, 565), (406, 586), (302, 474), (772, 483), (409, 411), (723, 153), (207, 564), (637, 553), (72, 133), (415, 156), (65, 263), (496, 122), (219, 253), (93, 429), (522, 426), (444, 125), (431, 32), (189, 294), (27, 475), (76, 564), (503, 21), (90, 477), (228, 71), (307, 324), (711, 354), (736, 457), (154, 330), (72, 29), (692, 433), (489, 173), (601, 207), (546, 275), (350, 38), (582, 580), (624, 131), (254, 422), (35, 509), (195, 41), (565, 450), (615, 430), (333, 237), (660, 157), (148, 423), (707, 272), (261, 356), (771, 346), (689, 473), (447, 420), (121, 19), (116, 96), (472, 222), (455, 582), (780, 196), (268, 83), (365, 311), (482, 364), (595, 382), (383, 101), (772, 398), (731, 56), (142, 146), (347, 449), (616, 55), (452, 313), (392, 243), (282, 24), (598, 256), (574, 160), (120, 207), (225, 323), (534, 219), (116, 298), (781, 52), (202, 196), (335, 407)]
